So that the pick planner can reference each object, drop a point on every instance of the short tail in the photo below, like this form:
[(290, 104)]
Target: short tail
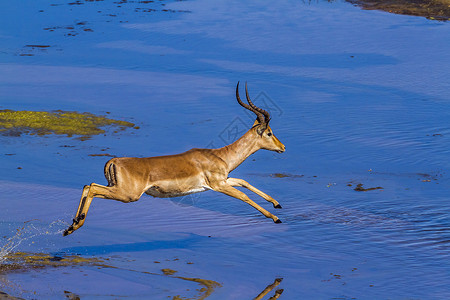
[(110, 173)]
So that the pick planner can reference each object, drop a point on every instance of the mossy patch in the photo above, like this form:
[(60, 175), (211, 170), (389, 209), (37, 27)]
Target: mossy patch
[(70, 123), (24, 261)]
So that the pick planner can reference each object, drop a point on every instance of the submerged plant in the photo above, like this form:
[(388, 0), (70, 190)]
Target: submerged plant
[(15, 123)]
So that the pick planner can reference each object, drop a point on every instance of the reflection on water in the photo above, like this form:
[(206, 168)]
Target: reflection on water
[(269, 288), (21, 262)]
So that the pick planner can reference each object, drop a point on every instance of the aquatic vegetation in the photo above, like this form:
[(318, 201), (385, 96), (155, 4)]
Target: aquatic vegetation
[(284, 175), (24, 261), (168, 271), (359, 188), (16, 123), (208, 287)]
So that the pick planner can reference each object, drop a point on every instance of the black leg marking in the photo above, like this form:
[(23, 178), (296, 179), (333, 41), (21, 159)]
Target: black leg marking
[(112, 179), (82, 203)]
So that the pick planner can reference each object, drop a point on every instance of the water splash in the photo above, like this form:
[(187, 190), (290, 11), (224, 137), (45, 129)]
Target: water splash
[(29, 231)]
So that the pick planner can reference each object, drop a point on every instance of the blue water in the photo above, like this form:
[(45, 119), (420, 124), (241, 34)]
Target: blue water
[(356, 96)]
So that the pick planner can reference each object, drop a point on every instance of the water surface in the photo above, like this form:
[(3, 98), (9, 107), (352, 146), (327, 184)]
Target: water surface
[(357, 96)]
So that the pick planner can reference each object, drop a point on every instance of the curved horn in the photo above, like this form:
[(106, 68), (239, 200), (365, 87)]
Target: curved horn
[(260, 110), (249, 107)]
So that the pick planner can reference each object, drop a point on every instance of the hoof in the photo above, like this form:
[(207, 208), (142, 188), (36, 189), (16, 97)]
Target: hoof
[(278, 206), (66, 232), (279, 292), (278, 221)]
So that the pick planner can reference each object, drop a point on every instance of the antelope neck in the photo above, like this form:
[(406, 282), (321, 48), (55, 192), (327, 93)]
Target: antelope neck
[(235, 153)]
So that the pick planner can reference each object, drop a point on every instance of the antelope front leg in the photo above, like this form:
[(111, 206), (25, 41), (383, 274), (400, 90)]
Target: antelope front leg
[(245, 184), (231, 191)]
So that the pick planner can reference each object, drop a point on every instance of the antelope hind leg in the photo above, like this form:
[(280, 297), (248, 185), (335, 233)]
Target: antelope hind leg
[(245, 184), (80, 216), (99, 191)]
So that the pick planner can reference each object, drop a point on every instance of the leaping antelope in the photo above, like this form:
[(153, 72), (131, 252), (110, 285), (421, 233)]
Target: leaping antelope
[(194, 171)]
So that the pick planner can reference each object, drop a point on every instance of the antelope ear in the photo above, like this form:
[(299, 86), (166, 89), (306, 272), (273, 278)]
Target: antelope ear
[(260, 129)]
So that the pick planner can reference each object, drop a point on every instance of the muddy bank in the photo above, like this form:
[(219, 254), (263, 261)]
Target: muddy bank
[(431, 9)]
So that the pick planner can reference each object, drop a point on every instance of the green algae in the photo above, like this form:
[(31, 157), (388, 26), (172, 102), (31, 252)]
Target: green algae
[(24, 261), (168, 271), (70, 123), (208, 288)]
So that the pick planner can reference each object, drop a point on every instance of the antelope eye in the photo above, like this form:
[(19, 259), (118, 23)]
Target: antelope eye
[(269, 134)]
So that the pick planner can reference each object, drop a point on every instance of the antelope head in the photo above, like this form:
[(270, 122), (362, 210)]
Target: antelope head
[(262, 132)]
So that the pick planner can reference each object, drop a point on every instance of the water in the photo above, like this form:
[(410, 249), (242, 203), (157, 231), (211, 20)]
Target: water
[(356, 96), (31, 231)]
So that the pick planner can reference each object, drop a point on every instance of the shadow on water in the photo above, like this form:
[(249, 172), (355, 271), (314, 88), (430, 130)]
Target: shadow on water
[(132, 247)]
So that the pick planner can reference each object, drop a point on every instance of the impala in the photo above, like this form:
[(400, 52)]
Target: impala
[(194, 171)]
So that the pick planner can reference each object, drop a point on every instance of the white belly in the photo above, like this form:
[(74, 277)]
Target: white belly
[(160, 192)]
